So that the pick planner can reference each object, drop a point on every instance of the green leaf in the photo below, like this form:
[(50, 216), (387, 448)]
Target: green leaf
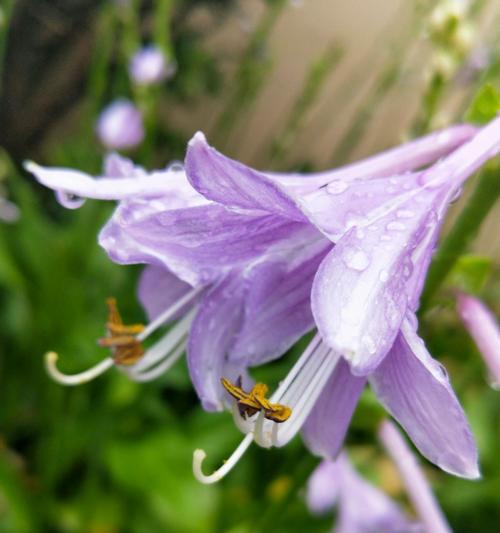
[(485, 105), (157, 469), (470, 273)]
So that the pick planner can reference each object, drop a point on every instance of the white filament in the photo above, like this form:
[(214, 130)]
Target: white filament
[(161, 368), (168, 313), (75, 379), (199, 456), (165, 345), (300, 393)]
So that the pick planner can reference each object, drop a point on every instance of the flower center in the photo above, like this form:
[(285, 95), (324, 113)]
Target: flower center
[(297, 394)]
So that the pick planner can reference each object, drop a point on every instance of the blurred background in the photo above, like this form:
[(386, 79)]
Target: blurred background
[(282, 85)]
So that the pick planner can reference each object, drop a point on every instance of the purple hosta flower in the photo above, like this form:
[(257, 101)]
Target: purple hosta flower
[(362, 507), (483, 328), (237, 271), (383, 216), (120, 125), (148, 66), (417, 487)]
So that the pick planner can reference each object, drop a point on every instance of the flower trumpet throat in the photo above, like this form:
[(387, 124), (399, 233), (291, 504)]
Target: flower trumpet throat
[(250, 403), (122, 340)]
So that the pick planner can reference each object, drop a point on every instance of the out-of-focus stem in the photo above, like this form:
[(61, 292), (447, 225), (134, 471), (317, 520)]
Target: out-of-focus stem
[(465, 229), (313, 83), (250, 74)]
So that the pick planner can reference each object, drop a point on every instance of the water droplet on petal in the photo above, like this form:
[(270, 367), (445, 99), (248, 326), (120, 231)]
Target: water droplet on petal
[(443, 371), (356, 259), (337, 187), (396, 226), (360, 233), (384, 276), (175, 166), (369, 344), (404, 213), (456, 195)]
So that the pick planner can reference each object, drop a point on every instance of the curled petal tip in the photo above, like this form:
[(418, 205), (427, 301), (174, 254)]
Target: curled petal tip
[(75, 379)]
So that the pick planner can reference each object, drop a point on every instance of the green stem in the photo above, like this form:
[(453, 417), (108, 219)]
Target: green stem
[(465, 229), (250, 75), (314, 82)]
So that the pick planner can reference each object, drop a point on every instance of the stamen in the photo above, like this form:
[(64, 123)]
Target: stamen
[(75, 379), (199, 457), (160, 369), (165, 345), (283, 433), (300, 390), (169, 313)]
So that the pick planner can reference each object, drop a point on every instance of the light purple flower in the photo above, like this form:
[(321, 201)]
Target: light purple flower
[(384, 217), (148, 66), (362, 508), (228, 285), (419, 491), (483, 328), (120, 126)]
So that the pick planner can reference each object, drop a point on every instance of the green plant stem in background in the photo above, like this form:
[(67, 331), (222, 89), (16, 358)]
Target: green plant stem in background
[(385, 81), (250, 75), (98, 77), (431, 101), (313, 84), (161, 32), (350, 140), (463, 232), (5, 13)]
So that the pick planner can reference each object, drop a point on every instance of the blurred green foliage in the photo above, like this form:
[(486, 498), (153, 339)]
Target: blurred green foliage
[(114, 455)]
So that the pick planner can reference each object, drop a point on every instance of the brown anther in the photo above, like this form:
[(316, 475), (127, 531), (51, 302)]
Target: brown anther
[(125, 347), (254, 401)]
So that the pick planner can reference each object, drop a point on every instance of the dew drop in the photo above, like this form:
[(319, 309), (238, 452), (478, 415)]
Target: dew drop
[(356, 259), (404, 213), (337, 187), (384, 275), (369, 344), (360, 233), (395, 226), (175, 166)]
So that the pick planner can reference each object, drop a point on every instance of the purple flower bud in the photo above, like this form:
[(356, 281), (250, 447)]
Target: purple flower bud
[(483, 328), (148, 66), (120, 125)]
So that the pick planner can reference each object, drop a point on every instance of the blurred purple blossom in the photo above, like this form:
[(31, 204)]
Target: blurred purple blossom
[(483, 328), (148, 66), (120, 125), (362, 507)]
